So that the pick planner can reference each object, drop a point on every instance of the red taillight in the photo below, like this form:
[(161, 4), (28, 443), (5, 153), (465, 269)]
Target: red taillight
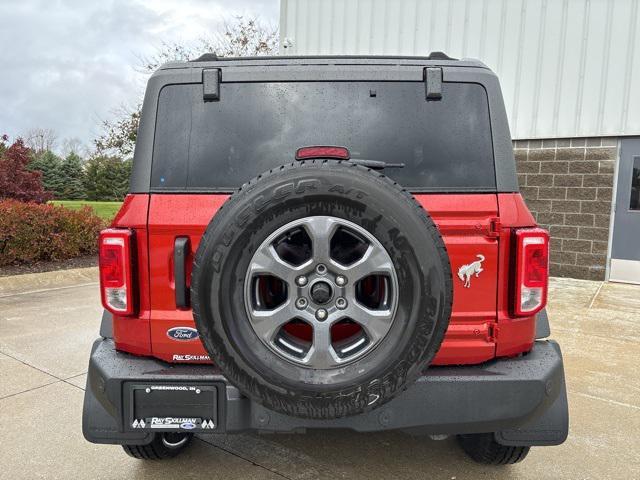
[(532, 270), (116, 271), (339, 153)]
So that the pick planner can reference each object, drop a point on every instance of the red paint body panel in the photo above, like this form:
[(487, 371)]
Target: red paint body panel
[(514, 212), (465, 224), (131, 334), (172, 216), (480, 326)]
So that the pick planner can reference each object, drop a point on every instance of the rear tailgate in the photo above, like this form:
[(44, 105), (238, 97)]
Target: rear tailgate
[(465, 221), (172, 217)]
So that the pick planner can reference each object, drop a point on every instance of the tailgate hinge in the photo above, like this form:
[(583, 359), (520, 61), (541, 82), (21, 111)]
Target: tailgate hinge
[(493, 332), (494, 227)]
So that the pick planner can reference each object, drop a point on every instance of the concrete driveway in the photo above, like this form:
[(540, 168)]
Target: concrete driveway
[(48, 321)]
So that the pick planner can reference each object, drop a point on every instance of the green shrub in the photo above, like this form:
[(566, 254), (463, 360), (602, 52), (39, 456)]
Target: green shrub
[(31, 232)]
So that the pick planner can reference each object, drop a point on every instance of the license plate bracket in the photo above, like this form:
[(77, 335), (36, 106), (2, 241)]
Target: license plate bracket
[(171, 407)]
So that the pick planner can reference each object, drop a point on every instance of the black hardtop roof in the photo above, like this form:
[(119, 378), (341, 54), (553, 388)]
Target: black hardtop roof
[(433, 59), (324, 68)]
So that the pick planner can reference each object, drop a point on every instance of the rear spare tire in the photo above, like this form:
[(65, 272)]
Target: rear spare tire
[(321, 289)]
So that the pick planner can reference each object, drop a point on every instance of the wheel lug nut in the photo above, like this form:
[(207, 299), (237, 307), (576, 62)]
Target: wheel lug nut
[(321, 269), (341, 303), (301, 303), (301, 281), (321, 314), (341, 281)]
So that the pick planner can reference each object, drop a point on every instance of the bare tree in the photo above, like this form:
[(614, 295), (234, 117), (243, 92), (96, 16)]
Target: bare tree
[(41, 139), (119, 135), (239, 37), (73, 145)]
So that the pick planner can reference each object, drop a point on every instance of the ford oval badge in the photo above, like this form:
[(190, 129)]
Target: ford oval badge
[(182, 334), (187, 426)]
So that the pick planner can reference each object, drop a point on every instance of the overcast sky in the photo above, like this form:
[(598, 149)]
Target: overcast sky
[(68, 64)]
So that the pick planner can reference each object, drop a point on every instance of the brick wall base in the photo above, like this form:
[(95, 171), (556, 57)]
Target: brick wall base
[(568, 186)]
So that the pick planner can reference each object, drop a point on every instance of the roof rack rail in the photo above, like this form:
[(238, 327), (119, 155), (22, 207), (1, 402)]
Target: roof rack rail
[(213, 57), (440, 56), (206, 57)]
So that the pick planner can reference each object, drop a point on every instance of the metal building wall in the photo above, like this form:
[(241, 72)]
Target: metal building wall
[(568, 68)]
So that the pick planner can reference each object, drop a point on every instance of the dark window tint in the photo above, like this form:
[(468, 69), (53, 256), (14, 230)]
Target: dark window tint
[(445, 144), (634, 202)]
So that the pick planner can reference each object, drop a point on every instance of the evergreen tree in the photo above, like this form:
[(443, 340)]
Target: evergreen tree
[(107, 178), (72, 175), (50, 165)]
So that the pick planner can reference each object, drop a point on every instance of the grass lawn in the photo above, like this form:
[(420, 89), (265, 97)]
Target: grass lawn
[(106, 210)]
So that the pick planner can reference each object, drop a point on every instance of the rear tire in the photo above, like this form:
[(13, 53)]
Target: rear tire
[(163, 445), (483, 448)]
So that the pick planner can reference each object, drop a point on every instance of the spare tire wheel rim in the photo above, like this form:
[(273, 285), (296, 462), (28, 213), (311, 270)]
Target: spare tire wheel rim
[(321, 292)]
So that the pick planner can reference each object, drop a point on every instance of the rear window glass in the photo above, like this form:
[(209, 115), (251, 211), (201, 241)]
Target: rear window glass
[(217, 146)]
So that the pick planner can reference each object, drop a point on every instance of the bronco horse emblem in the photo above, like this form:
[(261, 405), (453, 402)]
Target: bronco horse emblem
[(473, 268)]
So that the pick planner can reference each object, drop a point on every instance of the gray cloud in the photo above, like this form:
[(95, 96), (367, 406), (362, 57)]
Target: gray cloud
[(68, 64)]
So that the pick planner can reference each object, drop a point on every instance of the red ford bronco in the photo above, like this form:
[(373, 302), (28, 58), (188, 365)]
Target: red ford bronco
[(325, 242)]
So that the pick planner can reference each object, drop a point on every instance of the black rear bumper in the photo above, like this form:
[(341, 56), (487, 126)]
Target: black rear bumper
[(523, 400)]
